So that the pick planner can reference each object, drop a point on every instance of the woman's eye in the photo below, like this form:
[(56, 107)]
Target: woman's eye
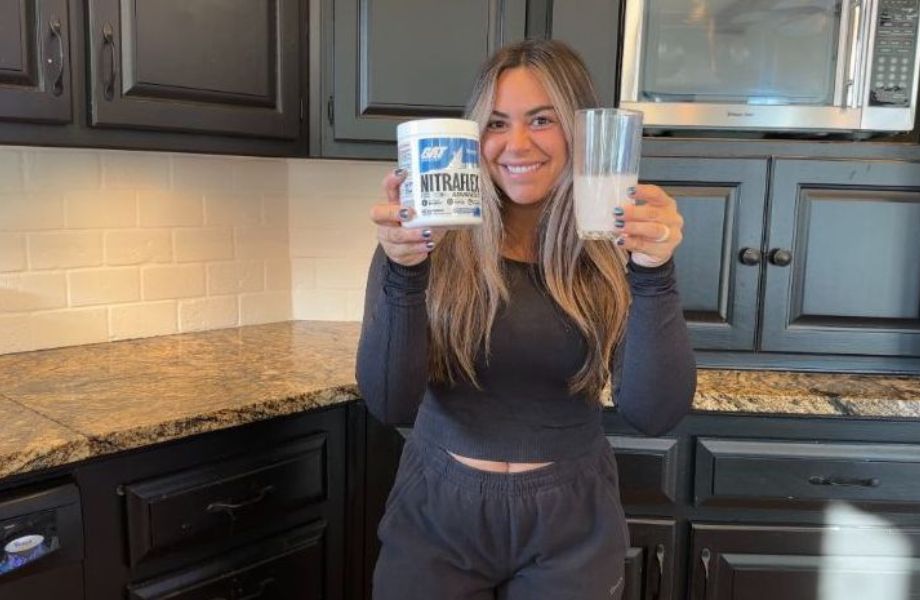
[(495, 125), (541, 121)]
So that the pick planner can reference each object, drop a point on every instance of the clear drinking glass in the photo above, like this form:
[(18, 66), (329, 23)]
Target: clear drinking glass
[(606, 162)]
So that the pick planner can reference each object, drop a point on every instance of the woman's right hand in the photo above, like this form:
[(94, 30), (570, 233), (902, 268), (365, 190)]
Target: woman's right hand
[(402, 245)]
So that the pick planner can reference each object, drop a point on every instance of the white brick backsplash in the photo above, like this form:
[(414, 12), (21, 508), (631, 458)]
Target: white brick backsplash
[(241, 210), (135, 170), (31, 211), (354, 305), (202, 174), (62, 169), (333, 243), (275, 210), (348, 273), (12, 252), (337, 178), (172, 281), (260, 175), (104, 286), (137, 246), (66, 249), (332, 212), (32, 291), (69, 327), (261, 242), (322, 305), (278, 275), (303, 273), (236, 277), (203, 244), (14, 333), (10, 171), (128, 321), (265, 307), (109, 209), (208, 313), (170, 209)]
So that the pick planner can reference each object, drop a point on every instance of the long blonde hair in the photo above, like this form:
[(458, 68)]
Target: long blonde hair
[(585, 278)]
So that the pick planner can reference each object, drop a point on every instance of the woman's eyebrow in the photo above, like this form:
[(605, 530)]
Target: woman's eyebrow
[(529, 113)]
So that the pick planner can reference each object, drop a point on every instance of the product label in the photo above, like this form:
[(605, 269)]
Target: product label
[(448, 176)]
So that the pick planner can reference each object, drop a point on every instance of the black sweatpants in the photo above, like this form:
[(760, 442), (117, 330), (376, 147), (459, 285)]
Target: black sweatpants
[(452, 532)]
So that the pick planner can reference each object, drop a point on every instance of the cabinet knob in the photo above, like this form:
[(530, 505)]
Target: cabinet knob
[(780, 257), (750, 256)]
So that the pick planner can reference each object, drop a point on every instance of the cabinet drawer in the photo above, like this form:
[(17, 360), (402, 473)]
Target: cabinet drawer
[(647, 469), (736, 471), (288, 567), (218, 500)]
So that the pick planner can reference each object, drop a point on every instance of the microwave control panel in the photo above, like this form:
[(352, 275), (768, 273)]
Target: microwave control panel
[(895, 53)]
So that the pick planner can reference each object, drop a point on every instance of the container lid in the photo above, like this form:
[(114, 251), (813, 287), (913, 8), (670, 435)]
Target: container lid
[(24, 544), (438, 127)]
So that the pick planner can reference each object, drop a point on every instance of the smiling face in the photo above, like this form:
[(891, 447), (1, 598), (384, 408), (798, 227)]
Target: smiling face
[(523, 144)]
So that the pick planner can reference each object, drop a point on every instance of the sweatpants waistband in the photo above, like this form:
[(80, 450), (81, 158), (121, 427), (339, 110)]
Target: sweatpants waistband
[(437, 460)]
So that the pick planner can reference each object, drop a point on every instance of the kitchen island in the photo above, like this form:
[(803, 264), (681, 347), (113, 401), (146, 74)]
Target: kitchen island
[(242, 456)]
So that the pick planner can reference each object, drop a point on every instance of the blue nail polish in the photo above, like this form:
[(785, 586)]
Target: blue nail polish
[(621, 241), (404, 214), (619, 224), (429, 245), (426, 233), (618, 211), (631, 191), (399, 172)]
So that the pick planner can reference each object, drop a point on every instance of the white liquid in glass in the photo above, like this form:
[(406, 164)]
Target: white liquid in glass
[(595, 198)]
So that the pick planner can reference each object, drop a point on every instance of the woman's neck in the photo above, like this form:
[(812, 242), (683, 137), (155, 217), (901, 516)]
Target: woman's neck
[(520, 223)]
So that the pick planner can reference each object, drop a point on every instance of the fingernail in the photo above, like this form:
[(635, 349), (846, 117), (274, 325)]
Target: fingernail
[(399, 172), (618, 211), (619, 224), (426, 233), (404, 214), (429, 245), (621, 241), (631, 191)]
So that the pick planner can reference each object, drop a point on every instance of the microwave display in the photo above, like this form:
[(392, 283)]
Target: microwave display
[(895, 48)]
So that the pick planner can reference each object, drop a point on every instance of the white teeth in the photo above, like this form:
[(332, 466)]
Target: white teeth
[(518, 169)]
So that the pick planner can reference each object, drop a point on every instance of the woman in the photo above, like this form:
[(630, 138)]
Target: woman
[(497, 342)]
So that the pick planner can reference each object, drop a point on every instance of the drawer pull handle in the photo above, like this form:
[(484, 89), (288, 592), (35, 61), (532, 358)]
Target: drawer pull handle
[(659, 558), (705, 556), (844, 481), (57, 88), (231, 507), (108, 41)]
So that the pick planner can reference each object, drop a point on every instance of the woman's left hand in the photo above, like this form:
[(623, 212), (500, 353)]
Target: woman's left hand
[(651, 230)]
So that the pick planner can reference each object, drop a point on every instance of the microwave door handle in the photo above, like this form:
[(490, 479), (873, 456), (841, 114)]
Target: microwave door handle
[(854, 55)]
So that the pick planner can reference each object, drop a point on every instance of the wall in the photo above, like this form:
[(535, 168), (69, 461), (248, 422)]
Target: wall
[(106, 245), (332, 236)]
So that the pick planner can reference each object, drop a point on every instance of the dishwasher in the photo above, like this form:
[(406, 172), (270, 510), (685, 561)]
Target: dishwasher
[(41, 544)]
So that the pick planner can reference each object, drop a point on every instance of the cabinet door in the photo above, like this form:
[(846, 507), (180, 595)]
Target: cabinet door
[(401, 59), (210, 66), (650, 561), (34, 61), (844, 251), (718, 263), (592, 28), (748, 562)]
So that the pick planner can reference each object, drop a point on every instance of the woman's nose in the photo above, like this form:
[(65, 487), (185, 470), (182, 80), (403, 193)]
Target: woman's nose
[(518, 138)]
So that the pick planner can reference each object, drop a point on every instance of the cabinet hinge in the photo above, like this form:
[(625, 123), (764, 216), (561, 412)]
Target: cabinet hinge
[(330, 111)]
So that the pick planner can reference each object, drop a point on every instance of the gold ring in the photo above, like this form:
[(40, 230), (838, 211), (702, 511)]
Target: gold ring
[(664, 237)]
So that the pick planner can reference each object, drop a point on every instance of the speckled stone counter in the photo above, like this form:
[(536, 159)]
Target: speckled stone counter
[(61, 406)]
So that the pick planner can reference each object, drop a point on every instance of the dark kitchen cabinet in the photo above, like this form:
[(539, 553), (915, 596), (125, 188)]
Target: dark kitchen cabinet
[(229, 67), (651, 561), (255, 511), (719, 260), (35, 78), (393, 60), (818, 273), (842, 252), (765, 562)]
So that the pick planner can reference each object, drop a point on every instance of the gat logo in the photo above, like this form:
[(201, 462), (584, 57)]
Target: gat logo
[(433, 152)]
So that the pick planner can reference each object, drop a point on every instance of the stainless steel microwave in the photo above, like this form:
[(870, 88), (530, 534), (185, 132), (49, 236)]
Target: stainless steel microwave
[(792, 65)]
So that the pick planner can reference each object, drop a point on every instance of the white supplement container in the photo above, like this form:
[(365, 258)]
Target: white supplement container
[(441, 160)]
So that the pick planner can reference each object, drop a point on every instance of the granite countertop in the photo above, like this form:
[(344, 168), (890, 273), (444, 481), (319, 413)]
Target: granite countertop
[(64, 405)]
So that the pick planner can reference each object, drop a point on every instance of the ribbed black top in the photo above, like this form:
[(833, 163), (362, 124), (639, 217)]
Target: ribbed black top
[(523, 411)]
